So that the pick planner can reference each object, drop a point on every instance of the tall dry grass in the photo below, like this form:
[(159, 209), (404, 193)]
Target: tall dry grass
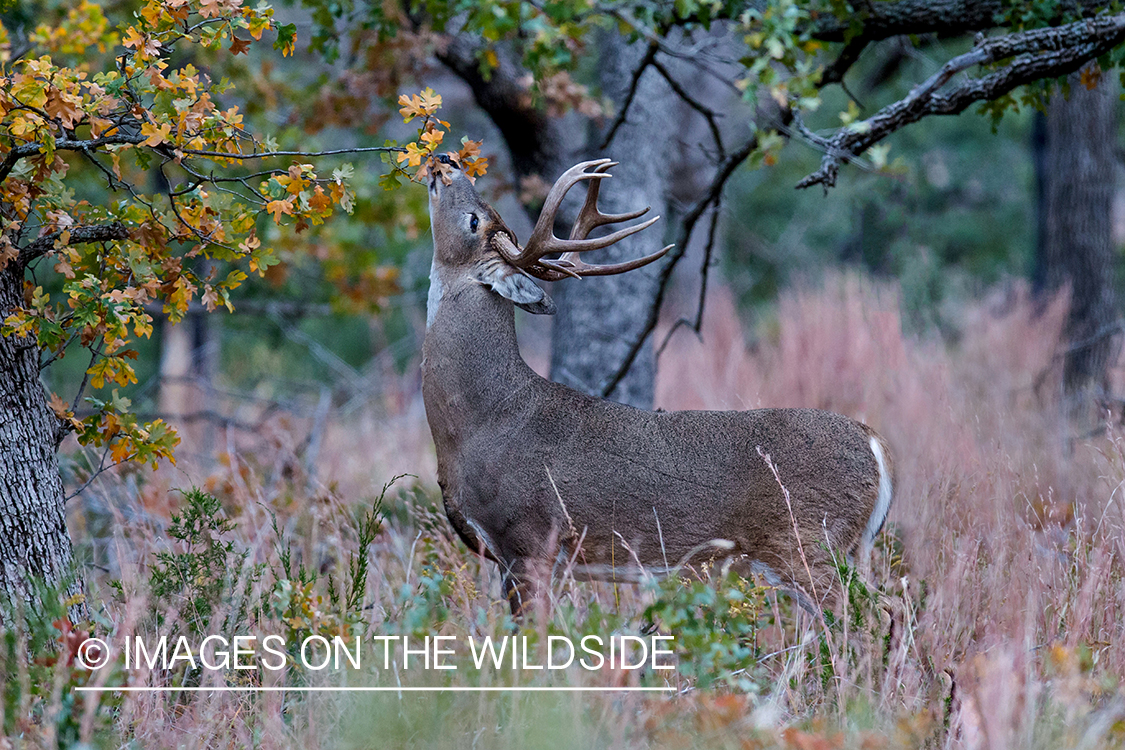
[(1001, 608), (1011, 526)]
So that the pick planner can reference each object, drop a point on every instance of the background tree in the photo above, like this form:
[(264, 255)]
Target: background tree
[(765, 66), (1075, 248)]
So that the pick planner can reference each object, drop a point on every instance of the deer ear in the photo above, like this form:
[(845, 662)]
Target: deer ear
[(510, 284)]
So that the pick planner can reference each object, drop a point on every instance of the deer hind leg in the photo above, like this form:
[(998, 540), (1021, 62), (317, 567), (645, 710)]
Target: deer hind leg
[(808, 581)]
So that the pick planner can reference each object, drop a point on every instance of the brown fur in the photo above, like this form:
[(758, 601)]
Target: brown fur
[(527, 467)]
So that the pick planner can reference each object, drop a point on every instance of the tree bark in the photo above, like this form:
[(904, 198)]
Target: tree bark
[(600, 318), (34, 541), (1075, 246)]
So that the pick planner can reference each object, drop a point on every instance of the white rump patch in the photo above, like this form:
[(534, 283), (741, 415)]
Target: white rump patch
[(882, 501)]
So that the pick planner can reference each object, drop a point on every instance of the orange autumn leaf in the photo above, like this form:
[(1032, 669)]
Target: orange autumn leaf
[(59, 407), (469, 150), (419, 105), (279, 207), (320, 202), (475, 168), (156, 134)]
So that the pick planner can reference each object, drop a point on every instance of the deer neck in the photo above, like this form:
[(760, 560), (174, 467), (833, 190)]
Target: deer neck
[(471, 361)]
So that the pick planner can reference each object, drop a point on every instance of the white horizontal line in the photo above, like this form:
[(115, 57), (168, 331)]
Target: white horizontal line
[(380, 689)]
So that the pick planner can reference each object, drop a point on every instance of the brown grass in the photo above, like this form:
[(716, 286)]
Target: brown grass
[(1001, 567)]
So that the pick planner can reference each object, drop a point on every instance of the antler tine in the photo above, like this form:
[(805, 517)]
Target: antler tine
[(575, 268), (544, 242), (590, 217), (543, 235)]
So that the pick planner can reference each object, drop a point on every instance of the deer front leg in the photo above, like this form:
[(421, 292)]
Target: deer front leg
[(525, 584)]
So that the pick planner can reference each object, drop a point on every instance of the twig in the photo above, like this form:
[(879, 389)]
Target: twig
[(654, 38), (92, 144), (848, 56), (708, 113), (648, 59), (275, 154), (687, 226), (708, 251), (102, 468)]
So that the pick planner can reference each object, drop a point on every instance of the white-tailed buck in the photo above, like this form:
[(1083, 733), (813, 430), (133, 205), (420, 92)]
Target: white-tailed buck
[(534, 473)]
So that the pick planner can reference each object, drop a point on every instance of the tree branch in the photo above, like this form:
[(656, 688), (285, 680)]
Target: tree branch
[(708, 114), (64, 144), (848, 56), (86, 233), (93, 144), (881, 19), (687, 226), (704, 272), (648, 59), (1042, 53)]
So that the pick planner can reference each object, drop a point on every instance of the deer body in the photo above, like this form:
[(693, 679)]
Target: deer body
[(533, 472)]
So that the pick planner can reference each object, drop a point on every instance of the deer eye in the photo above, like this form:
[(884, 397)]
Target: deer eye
[(474, 223)]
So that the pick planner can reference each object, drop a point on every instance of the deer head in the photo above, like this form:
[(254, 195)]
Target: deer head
[(471, 241)]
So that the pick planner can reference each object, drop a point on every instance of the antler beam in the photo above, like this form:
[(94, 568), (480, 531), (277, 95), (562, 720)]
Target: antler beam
[(543, 241)]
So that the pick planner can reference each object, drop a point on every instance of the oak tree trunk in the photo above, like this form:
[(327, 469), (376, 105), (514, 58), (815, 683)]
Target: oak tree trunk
[(1075, 247), (34, 542), (600, 318)]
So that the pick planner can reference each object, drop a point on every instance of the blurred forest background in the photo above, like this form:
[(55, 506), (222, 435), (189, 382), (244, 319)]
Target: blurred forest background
[(951, 212), (958, 286)]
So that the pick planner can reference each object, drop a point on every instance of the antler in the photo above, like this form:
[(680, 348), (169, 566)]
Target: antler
[(544, 242)]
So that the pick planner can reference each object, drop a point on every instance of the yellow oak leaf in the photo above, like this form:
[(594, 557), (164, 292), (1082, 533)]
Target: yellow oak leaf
[(432, 138), (411, 107), (133, 38), (156, 134), (279, 207), (430, 101)]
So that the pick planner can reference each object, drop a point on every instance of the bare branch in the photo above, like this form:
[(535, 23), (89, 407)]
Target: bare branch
[(1042, 53), (848, 56), (882, 19), (708, 114), (712, 196), (86, 233), (274, 154), (648, 59), (102, 468), (704, 271), (93, 144)]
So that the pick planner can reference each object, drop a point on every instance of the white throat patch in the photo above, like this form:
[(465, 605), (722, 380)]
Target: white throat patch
[(434, 297)]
